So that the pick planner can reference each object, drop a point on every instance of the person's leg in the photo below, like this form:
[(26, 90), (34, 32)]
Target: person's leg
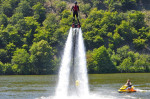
[(129, 87), (77, 17), (73, 17)]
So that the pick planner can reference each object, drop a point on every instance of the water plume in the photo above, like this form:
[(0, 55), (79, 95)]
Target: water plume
[(73, 67), (62, 87)]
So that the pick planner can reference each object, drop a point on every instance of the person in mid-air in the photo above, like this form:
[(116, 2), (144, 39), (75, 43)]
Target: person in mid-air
[(75, 10), (129, 85)]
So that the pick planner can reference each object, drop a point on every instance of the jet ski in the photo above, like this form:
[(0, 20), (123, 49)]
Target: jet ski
[(125, 88)]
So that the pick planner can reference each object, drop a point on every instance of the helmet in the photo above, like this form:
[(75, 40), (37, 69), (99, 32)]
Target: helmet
[(75, 2)]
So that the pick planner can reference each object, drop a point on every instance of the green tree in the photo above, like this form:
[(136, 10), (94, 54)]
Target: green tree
[(97, 4), (13, 35), (20, 62), (14, 3), (126, 31), (58, 38), (118, 40), (3, 37), (126, 65), (34, 2), (25, 8), (66, 21), (144, 32), (10, 50), (92, 68), (137, 19), (97, 26), (1, 68), (128, 4), (32, 25), (6, 8), (65, 14), (51, 22), (93, 35), (15, 18), (132, 55), (39, 12), (21, 27), (41, 57), (139, 43), (3, 20), (115, 58), (113, 5), (7, 69), (42, 34), (60, 5), (103, 61), (3, 56), (85, 8), (27, 28), (123, 52), (142, 64)]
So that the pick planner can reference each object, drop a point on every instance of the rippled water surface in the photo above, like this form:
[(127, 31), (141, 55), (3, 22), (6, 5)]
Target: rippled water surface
[(102, 86)]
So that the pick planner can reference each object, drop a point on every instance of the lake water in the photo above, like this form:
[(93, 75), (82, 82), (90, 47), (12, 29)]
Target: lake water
[(102, 86)]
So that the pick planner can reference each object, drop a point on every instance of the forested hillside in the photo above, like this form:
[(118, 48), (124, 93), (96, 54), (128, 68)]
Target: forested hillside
[(33, 34)]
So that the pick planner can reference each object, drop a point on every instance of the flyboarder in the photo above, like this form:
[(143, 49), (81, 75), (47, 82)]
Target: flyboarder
[(75, 10)]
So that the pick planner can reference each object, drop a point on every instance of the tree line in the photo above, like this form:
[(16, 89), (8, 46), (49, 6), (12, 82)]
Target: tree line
[(33, 34)]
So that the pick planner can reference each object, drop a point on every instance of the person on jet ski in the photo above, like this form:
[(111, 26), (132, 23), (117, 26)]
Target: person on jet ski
[(75, 10), (129, 85)]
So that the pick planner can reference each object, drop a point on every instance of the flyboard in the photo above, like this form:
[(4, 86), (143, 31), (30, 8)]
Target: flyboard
[(76, 25)]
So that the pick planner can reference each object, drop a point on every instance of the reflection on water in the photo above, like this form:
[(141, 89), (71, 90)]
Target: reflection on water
[(102, 86)]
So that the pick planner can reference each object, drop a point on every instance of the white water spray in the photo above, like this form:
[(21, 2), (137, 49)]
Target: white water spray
[(81, 73), (62, 88), (74, 57)]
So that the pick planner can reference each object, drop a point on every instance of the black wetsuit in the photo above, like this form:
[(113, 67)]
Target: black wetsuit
[(75, 13)]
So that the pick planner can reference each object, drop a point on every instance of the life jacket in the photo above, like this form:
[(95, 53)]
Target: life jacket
[(75, 8), (129, 84)]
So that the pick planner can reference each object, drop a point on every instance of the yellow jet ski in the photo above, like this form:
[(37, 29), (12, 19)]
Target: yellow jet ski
[(125, 89)]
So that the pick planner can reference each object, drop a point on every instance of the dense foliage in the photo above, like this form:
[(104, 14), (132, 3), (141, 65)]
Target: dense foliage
[(33, 33)]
